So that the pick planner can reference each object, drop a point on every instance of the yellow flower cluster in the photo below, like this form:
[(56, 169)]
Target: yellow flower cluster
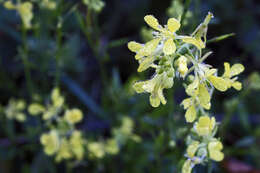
[(62, 146), (25, 10), (51, 110), (15, 110), (168, 51), (112, 145), (63, 141), (162, 48)]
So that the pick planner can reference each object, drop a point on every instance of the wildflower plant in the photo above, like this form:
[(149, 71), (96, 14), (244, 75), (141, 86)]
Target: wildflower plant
[(173, 55), (64, 141)]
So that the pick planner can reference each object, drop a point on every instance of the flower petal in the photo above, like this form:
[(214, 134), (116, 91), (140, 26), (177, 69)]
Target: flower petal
[(169, 47), (196, 42), (173, 25), (191, 114), (218, 82), (134, 46), (152, 22), (236, 69)]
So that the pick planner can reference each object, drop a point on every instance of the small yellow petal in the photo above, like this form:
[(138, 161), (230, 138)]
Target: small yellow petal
[(148, 48), (173, 24), (191, 114), (154, 100), (218, 82), (192, 148), (186, 103), (161, 96), (227, 70), (134, 46), (152, 22), (237, 85), (204, 96), (145, 63), (236, 69), (169, 47), (196, 42)]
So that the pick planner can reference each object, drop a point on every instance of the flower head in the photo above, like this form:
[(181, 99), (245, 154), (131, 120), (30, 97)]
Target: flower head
[(215, 148), (205, 125), (51, 142), (24, 9), (73, 116)]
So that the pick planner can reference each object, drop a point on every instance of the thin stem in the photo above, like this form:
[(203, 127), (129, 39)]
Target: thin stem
[(210, 167), (26, 61), (57, 56)]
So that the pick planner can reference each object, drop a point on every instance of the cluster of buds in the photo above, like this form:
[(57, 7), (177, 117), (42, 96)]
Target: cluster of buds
[(173, 55)]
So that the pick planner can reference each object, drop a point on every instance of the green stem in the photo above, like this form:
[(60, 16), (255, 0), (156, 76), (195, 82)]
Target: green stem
[(210, 167), (26, 61), (57, 56)]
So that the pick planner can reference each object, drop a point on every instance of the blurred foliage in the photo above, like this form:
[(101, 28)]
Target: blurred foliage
[(81, 49)]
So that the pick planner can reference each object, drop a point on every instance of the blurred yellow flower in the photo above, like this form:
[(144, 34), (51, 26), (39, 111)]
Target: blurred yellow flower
[(73, 116), (35, 109), (51, 142), (25, 10), (96, 149)]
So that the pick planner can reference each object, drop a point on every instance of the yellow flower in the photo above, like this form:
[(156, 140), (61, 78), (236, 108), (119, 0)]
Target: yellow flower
[(111, 146), (168, 32), (96, 149), (24, 9), (77, 144), (191, 114), (64, 151), (14, 110), (73, 116), (205, 125), (35, 109), (215, 148), (56, 98), (155, 86), (230, 73), (51, 142), (192, 148)]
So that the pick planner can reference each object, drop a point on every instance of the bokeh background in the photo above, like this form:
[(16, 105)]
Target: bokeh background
[(97, 72)]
